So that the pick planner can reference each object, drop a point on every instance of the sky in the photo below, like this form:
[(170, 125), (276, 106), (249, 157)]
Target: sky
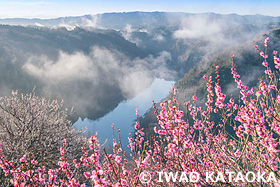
[(61, 8)]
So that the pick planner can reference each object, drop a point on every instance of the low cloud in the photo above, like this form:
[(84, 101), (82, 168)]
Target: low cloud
[(159, 38), (68, 66), (127, 33), (98, 81), (89, 21), (198, 27)]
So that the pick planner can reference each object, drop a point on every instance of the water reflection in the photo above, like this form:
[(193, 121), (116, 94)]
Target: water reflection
[(124, 115)]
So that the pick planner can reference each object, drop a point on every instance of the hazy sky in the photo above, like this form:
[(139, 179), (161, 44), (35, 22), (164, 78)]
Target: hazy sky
[(56, 8)]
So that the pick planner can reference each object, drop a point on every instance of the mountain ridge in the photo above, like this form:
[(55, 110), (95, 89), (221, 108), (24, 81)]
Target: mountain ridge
[(107, 20)]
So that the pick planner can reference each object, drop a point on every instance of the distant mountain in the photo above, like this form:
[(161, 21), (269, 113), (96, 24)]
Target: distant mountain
[(188, 38), (138, 20)]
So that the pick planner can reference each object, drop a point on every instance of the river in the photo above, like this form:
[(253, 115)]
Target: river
[(123, 116)]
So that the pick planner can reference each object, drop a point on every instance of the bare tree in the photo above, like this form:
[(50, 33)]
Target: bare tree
[(34, 126)]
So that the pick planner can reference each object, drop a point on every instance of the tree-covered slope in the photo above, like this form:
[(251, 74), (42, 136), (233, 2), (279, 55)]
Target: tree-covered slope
[(247, 61)]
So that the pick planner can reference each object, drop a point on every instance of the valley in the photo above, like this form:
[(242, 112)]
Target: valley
[(97, 62)]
